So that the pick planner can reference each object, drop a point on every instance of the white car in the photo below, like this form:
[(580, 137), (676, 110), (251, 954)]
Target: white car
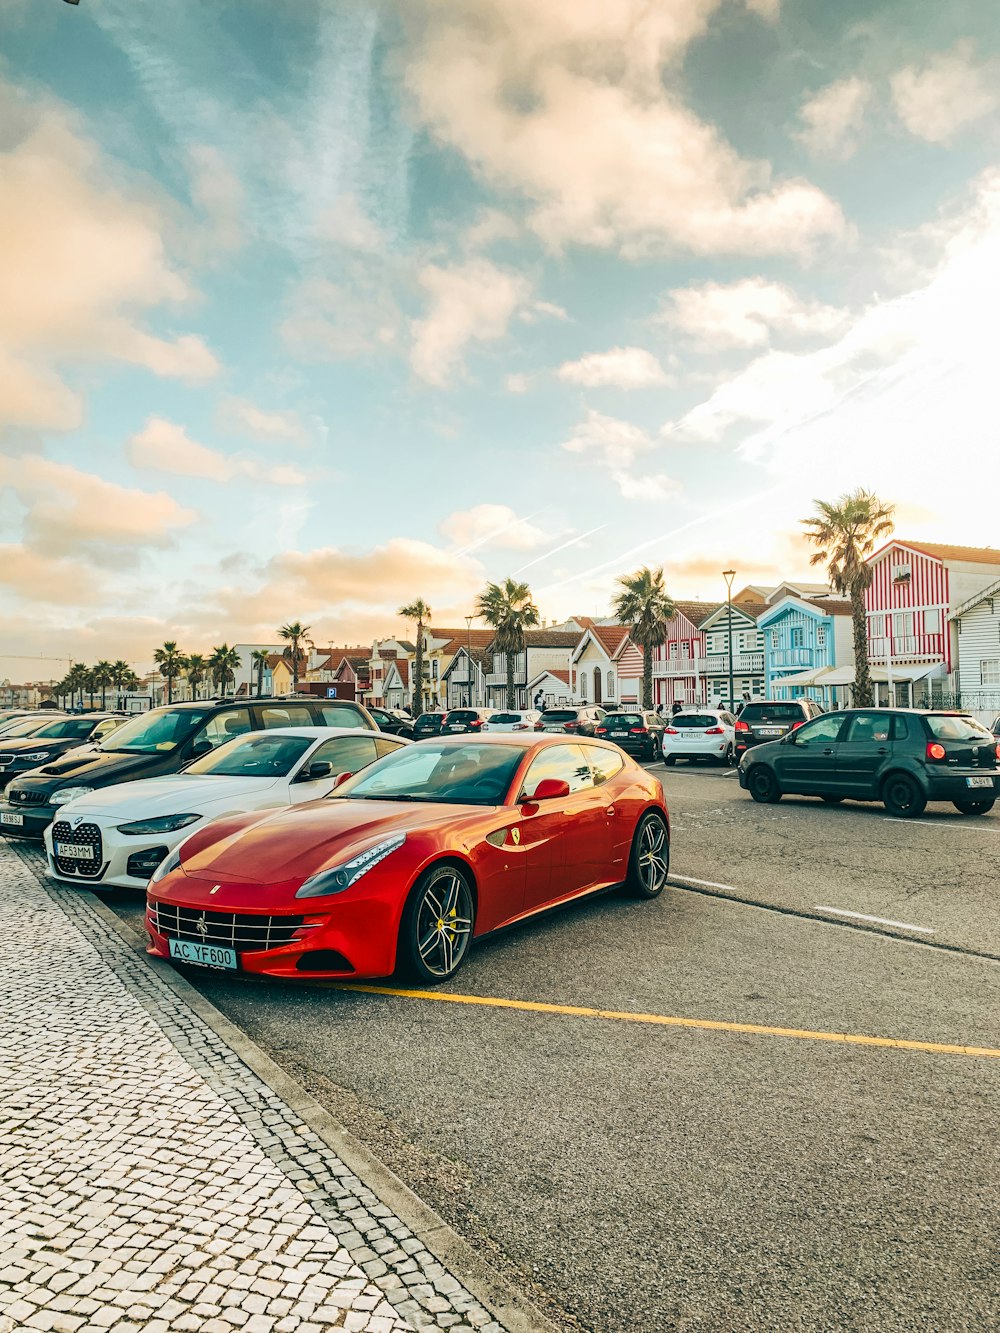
[(703, 733), (116, 836), (515, 719)]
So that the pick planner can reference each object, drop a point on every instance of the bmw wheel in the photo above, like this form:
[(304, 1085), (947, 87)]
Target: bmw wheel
[(649, 860), (763, 785), (437, 925)]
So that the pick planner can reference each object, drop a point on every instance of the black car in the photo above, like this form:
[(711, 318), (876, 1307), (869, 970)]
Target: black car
[(392, 721), (995, 727), (758, 723), (901, 757), (159, 742), (639, 733), (462, 720), (53, 739), (582, 721), (428, 724)]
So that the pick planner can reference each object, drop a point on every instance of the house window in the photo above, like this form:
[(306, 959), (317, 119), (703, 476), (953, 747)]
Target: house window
[(990, 668), (877, 627), (820, 636), (673, 652), (775, 640), (932, 621), (583, 684), (902, 624), (685, 650), (798, 636), (901, 573), (611, 684)]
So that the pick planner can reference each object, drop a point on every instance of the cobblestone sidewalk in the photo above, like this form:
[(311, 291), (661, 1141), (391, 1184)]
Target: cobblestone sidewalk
[(150, 1181)]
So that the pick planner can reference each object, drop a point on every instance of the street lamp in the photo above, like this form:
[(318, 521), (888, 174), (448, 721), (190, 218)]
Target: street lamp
[(729, 575), (468, 664)]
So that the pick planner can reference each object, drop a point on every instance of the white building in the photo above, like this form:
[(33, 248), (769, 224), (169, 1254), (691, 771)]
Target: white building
[(977, 626)]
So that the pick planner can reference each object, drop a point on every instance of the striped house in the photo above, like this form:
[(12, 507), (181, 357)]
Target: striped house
[(977, 622), (679, 663)]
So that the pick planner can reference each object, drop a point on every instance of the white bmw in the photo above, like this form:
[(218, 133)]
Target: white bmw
[(115, 837)]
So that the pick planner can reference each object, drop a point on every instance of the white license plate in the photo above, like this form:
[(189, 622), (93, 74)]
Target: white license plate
[(206, 955), (11, 819), (768, 731), (979, 782), (617, 733), (72, 853)]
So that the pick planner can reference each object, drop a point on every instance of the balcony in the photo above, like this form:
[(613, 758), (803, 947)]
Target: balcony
[(500, 677), (907, 648), (800, 658), (744, 664)]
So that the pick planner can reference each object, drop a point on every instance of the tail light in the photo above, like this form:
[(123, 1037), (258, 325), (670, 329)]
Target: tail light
[(715, 731), (935, 751), (638, 731), (444, 718), (519, 726), (476, 723), (742, 726), (998, 751), (671, 731), (797, 724), (603, 731), (539, 727), (571, 726)]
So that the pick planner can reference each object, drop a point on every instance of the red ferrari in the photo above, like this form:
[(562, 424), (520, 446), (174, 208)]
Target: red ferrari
[(406, 862)]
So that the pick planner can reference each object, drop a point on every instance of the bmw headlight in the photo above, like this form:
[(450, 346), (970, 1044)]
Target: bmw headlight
[(38, 756), (65, 794), (339, 878), (169, 862), (165, 824)]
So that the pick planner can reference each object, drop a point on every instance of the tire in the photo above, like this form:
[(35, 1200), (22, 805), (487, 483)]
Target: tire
[(654, 751), (649, 859), (670, 760), (981, 807), (729, 757), (436, 930), (902, 797), (831, 800), (763, 785)]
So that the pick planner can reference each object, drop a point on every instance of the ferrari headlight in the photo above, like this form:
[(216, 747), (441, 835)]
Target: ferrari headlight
[(170, 862), (339, 878), (65, 794), (164, 824)]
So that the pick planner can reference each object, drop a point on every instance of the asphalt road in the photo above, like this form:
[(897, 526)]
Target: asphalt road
[(650, 1176)]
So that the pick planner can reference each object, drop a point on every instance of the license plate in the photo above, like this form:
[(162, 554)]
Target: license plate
[(979, 782), (206, 955), (617, 733), (72, 853), (768, 731), (11, 819)]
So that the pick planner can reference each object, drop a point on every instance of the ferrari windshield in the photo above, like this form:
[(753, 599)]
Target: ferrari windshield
[(255, 756), (470, 774)]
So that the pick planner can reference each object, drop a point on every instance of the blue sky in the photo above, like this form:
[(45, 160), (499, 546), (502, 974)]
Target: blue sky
[(311, 308)]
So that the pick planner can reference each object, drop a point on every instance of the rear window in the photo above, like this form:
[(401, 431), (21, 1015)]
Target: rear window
[(505, 719), (559, 715), (771, 713), (429, 717), (628, 719), (957, 728), (462, 715), (695, 720)]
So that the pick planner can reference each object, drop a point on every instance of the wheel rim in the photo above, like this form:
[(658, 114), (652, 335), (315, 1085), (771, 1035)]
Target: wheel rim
[(762, 783), (901, 794), (653, 856), (444, 924)]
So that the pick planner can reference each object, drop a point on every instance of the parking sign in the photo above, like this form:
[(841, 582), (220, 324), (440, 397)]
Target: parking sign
[(331, 691)]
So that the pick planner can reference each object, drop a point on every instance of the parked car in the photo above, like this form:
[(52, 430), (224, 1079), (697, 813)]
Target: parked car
[(464, 720), (25, 724), (518, 719), (117, 836), (411, 859), (161, 741), (59, 735), (428, 724), (393, 721), (995, 727), (639, 732), (578, 721), (901, 757), (770, 719), (705, 734)]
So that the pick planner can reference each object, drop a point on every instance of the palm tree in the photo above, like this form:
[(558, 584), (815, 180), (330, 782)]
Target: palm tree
[(89, 684), (223, 664), (64, 690), (171, 664), (195, 666), (76, 679), (645, 605), (508, 608), (419, 612), (292, 633), (103, 677), (845, 533), (259, 658), (122, 676)]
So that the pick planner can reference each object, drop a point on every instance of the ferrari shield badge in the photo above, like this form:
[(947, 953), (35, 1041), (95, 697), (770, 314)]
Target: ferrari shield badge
[(515, 836)]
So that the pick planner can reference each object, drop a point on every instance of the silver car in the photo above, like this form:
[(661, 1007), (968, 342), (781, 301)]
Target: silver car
[(708, 734)]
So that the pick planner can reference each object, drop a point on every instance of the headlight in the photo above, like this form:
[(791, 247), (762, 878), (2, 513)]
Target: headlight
[(37, 756), (339, 878), (165, 824), (65, 794), (168, 863)]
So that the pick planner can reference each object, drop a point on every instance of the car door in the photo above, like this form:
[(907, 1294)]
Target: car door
[(806, 759), (345, 754), (863, 751)]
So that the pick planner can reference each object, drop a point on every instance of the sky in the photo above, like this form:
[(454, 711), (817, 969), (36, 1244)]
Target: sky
[(312, 307)]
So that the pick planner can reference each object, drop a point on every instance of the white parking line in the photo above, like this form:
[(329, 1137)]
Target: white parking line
[(706, 883), (946, 821), (879, 920)]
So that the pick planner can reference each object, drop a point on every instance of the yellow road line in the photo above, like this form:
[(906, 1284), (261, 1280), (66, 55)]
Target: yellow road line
[(670, 1021)]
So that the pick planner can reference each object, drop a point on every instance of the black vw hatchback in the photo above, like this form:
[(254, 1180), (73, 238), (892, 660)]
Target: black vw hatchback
[(901, 757)]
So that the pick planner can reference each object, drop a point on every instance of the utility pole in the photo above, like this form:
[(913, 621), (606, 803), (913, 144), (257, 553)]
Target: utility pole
[(468, 649), (729, 575)]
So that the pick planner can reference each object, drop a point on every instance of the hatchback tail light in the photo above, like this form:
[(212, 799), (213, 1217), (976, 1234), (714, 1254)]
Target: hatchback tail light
[(671, 731), (519, 726), (571, 726), (797, 724), (539, 727), (600, 731), (742, 726), (715, 731), (998, 751), (476, 723), (935, 751), (638, 731)]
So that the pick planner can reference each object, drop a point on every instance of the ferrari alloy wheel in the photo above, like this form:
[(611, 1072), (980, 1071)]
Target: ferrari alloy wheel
[(649, 862), (437, 924)]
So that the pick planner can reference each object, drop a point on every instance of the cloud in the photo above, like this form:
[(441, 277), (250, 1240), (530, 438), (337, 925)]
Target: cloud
[(948, 93), (622, 367), (572, 105), (37, 577), (491, 525), (744, 314), (243, 417), (617, 446), (333, 321), (163, 446), (469, 302), (219, 196), (518, 383), (832, 119)]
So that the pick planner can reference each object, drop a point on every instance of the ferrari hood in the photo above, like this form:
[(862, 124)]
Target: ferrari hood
[(293, 843), (182, 794)]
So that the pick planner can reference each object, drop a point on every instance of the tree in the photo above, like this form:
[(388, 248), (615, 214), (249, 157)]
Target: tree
[(293, 633), (259, 658), (76, 679), (89, 684), (171, 664), (645, 605), (122, 677), (103, 677), (419, 612), (222, 664), (845, 533), (195, 667), (508, 608)]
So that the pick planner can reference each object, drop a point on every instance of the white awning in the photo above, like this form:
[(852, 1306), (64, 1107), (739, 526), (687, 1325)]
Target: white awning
[(844, 675)]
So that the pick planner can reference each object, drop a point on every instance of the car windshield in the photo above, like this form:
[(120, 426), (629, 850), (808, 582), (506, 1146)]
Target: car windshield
[(559, 715), (68, 726), (946, 728), (695, 720), (25, 726), (254, 756), (771, 713), (154, 733), (472, 774)]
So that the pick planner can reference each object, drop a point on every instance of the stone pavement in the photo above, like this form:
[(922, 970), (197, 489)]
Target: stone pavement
[(150, 1181)]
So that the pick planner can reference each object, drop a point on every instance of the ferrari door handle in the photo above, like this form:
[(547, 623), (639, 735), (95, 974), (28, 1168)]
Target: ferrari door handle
[(611, 811)]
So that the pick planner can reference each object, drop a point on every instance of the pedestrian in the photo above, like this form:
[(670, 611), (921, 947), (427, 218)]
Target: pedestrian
[(676, 707)]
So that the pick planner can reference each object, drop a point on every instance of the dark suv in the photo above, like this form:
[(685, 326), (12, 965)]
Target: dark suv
[(769, 721), (577, 721), (52, 740), (159, 742), (638, 733), (461, 720), (901, 757), (428, 724)]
